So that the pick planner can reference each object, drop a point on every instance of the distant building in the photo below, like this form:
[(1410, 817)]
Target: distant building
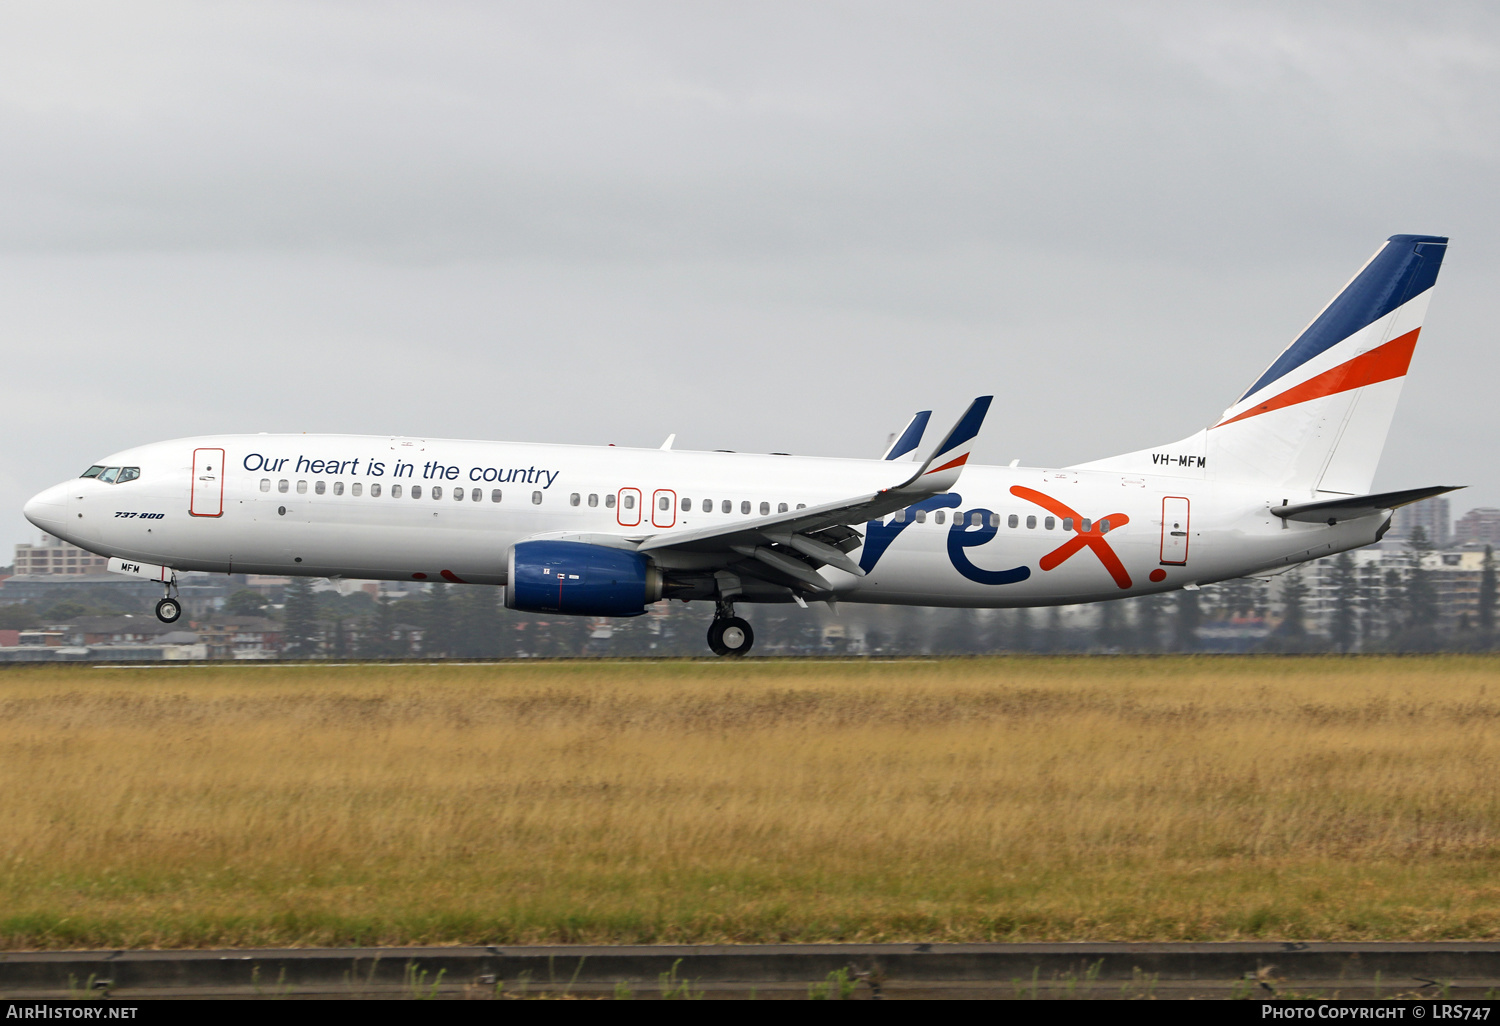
[(1431, 515), (53, 556), (241, 637), (1478, 527)]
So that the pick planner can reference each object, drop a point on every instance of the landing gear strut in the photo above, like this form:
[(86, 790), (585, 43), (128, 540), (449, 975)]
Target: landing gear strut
[(729, 635), (169, 608)]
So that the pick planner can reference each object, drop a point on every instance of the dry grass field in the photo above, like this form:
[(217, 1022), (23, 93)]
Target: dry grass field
[(998, 799)]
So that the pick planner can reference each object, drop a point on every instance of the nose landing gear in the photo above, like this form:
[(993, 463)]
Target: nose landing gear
[(170, 607), (729, 635)]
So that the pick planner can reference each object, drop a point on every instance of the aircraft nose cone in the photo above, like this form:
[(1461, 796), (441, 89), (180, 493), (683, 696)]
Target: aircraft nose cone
[(47, 509)]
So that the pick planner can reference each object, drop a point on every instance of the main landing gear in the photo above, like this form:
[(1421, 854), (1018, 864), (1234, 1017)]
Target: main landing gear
[(729, 635), (170, 607)]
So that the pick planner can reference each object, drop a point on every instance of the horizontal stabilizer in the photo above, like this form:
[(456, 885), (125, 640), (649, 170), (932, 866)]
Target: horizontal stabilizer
[(1331, 511)]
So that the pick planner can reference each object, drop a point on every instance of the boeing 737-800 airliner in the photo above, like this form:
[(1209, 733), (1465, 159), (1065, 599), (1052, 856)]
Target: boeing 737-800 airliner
[(1282, 477)]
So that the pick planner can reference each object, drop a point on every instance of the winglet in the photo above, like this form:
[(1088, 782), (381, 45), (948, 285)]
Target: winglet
[(940, 471), (909, 439)]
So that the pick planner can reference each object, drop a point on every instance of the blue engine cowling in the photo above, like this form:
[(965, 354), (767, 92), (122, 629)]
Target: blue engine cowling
[(580, 579)]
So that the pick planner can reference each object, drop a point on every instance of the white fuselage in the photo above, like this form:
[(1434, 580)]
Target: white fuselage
[(306, 505)]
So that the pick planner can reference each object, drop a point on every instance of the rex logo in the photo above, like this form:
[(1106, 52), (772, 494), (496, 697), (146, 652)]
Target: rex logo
[(1093, 538), (966, 534)]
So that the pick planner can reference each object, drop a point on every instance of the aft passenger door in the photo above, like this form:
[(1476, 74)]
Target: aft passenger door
[(1175, 511), (208, 483)]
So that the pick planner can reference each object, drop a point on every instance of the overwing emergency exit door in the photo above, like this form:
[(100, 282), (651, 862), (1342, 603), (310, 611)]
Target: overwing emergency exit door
[(208, 483), (663, 508), (1174, 530)]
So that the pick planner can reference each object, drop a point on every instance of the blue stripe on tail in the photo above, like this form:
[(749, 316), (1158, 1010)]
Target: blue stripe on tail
[(1406, 267)]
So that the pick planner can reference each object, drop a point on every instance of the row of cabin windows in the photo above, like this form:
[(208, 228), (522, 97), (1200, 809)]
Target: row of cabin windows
[(477, 495), (664, 503), (357, 488), (976, 519)]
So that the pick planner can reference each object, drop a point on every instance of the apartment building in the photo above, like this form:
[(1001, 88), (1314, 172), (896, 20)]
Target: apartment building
[(54, 556)]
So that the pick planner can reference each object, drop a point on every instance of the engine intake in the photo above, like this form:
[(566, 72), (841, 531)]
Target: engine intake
[(580, 579)]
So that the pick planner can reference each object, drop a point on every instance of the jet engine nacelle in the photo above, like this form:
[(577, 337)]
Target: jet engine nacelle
[(581, 579)]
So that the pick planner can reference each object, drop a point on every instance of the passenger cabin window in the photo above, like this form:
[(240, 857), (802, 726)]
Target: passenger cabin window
[(375, 490), (536, 498), (478, 494), (1013, 521), (128, 474), (1104, 527), (939, 516), (437, 491), (745, 506), (781, 507), (900, 516), (593, 498), (282, 486), (976, 519), (265, 484), (1085, 525), (458, 495), (395, 491), (1031, 523), (356, 488), (801, 505), (1067, 523), (726, 506), (93, 471), (338, 488), (609, 502), (320, 488), (664, 503), (687, 505), (994, 519), (109, 475), (416, 491), (921, 516), (628, 501), (765, 509), (301, 487), (1049, 523), (495, 495), (574, 499)]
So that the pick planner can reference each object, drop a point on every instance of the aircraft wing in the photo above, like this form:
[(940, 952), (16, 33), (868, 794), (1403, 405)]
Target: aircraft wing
[(798, 541), (1330, 511)]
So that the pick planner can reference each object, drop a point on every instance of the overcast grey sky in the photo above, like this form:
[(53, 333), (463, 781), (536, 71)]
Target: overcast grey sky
[(763, 226)]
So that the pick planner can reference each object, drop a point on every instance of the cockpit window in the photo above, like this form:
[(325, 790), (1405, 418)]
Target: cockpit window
[(128, 474), (109, 475), (93, 471)]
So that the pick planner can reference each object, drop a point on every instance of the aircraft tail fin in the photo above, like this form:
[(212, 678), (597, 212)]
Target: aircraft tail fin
[(1316, 420)]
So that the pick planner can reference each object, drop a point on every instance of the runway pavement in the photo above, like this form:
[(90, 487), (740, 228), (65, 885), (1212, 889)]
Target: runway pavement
[(1261, 970)]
